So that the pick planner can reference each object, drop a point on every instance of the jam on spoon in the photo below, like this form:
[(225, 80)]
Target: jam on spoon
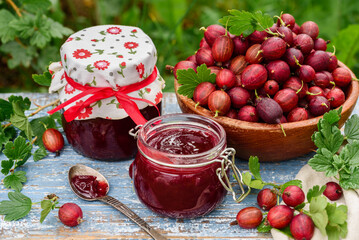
[(88, 186)]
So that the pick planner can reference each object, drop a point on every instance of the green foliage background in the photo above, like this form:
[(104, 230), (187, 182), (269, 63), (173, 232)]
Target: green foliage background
[(173, 25)]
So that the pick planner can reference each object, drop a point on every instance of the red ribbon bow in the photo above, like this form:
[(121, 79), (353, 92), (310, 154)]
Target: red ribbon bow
[(126, 101)]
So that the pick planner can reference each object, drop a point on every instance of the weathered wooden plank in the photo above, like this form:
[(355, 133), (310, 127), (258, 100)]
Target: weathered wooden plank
[(103, 222)]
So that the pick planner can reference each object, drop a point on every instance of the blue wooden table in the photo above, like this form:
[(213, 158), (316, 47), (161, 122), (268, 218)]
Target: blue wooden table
[(104, 222)]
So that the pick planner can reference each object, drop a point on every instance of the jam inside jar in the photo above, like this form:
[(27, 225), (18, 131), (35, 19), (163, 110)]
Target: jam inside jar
[(105, 139), (174, 172)]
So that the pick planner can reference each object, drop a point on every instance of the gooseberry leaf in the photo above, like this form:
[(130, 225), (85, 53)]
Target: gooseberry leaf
[(7, 33), (18, 206), (189, 79), (247, 178), (36, 6), (6, 166), (349, 180), (15, 180), (245, 23), (43, 79), (46, 206), (351, 129), (5, 110), (19, 120), (318, 214), (39, 154), (315, 191), (24, 103), (254, 167), (350, 154), (19, 150)]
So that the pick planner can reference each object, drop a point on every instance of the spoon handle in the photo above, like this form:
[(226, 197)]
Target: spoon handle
[(133, 216)]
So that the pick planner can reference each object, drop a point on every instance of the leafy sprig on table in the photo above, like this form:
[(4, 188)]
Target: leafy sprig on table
[(189, 79), (18, 135), (344, 165), (329, 218), (254, 180), (19, 206)]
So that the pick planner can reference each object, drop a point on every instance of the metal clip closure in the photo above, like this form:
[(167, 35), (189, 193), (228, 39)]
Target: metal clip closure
[(134, 131), (227, 163)]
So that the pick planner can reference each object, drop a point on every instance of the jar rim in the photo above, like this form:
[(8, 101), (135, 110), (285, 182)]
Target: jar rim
[(198, 159)]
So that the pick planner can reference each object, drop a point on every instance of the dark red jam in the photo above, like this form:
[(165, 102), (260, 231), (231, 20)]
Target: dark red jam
[(182, 141), (179, 192), (105, 139), (88, 186)]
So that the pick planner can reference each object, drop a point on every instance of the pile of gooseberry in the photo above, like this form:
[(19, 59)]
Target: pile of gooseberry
[(280, 216), (281, 74)]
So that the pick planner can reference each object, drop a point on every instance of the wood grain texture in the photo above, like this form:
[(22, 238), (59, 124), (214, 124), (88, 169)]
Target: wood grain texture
[(104, 222), (267, 141)]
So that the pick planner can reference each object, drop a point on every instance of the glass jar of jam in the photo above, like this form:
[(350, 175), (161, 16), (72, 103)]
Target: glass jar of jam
[(107, 83), (181, 167), (105, 139)]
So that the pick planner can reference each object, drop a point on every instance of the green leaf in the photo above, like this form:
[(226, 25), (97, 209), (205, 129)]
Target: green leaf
[(333, 116), (189, 79), (5, 110), (322, 162), (6, 165), (24, 103), (333, 233), (337, 225), (351, 129), (315, 191), (264, 21), (58, 117), (346, 45), (5, 136), (318, 214), (257, 184), (264, 226), (57, 30), (19, 150), (38, 127), (39, 154), (46, 206), (19, 54), (24, 25), (295, 182), (40, 38), (337, 214), (247, 178), (243, 22), (36, 6), (7, 33), (19, 120), (349, 181), (254, 167), (350, 154), (300, 206), (15, 180), (18, 206), (43, 79), (328, 136)]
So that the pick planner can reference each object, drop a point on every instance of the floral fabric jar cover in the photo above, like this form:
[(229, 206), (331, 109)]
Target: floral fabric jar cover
[(107, 56)]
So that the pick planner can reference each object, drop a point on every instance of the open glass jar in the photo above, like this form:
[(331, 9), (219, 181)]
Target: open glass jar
[(107, 83), (181, 167)]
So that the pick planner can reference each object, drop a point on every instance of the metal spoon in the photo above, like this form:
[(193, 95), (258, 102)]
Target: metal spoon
[(80, 169)]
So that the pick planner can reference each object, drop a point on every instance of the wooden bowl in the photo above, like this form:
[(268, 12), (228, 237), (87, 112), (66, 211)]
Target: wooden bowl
[(267, 140)]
